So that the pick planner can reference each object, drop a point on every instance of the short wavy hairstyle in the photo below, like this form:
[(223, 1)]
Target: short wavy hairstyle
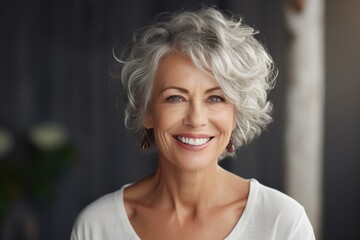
[(217, 43)]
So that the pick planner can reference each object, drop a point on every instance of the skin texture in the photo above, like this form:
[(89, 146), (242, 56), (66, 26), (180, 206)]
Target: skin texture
[(189, 196)]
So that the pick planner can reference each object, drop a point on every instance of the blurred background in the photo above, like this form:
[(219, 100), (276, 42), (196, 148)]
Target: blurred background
[(63, 143)]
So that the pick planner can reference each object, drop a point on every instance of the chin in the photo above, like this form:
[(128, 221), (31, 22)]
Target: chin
[(194, 161)]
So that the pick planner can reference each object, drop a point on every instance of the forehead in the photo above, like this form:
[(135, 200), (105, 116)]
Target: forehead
[(178, 69)]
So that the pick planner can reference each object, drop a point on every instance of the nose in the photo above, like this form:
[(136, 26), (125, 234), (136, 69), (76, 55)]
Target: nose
[(196, 115)]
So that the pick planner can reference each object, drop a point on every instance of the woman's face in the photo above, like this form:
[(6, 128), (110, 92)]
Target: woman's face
[(191, 119)]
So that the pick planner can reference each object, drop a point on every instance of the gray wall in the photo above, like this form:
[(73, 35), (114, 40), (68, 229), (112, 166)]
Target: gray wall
[(342, 121)]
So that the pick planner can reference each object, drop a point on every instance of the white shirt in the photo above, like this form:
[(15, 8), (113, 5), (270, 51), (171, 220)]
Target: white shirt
[(269, 214)]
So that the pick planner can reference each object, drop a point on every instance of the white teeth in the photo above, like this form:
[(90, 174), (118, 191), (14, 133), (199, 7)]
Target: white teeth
[(193, 141)]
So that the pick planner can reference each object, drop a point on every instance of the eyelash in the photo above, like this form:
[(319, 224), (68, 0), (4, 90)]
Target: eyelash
[(172, 99), (218, 99), (177, 98)]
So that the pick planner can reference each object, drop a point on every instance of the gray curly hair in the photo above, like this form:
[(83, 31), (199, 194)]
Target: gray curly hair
[(218, 44)]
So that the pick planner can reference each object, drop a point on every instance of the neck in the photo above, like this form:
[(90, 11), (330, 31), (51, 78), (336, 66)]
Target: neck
[(191, 190)]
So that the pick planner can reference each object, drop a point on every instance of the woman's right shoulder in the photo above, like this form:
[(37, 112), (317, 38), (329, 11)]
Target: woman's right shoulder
[(100, 206), (98, 216)]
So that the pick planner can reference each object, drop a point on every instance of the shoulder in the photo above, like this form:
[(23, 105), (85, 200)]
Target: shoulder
[(270, 199), (100, 219), (100, 208), (279, 212)]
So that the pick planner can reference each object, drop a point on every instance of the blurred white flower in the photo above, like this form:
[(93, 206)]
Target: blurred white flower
[(48, 136), (6, 142)]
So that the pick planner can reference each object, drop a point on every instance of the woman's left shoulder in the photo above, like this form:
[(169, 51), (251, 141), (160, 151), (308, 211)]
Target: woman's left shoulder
[(267, 197), (283, 213)]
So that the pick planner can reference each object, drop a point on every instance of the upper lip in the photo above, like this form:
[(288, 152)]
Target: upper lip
[(193, 135)]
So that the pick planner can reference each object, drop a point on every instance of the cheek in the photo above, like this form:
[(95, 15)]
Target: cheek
[(166, 116), (223, 117)]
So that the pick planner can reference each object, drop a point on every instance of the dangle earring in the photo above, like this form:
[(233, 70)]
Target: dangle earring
[(145, 142), (230, 147)]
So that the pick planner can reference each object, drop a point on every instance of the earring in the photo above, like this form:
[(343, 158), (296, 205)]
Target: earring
[(145, 142), (230, 147)]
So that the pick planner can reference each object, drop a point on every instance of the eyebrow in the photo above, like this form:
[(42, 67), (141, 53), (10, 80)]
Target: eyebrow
[(184, 90)]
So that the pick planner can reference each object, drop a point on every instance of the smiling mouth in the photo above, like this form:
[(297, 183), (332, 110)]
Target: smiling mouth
[(193, 141)]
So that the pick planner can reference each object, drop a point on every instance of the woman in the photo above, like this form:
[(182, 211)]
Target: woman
[(196, 89)]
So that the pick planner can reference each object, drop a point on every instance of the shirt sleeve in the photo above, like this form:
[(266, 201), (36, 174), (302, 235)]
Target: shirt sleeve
[(303, 229), (78, 232), (73, 235)]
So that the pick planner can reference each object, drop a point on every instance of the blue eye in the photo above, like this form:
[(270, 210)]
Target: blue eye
[(215, 99), (175, 99)]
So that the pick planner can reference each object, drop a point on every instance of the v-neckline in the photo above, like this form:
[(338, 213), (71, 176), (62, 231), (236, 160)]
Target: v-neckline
[(237, 231)]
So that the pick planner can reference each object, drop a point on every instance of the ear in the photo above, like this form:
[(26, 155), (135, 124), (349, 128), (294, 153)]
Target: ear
[(148, 120), (234, 123)]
